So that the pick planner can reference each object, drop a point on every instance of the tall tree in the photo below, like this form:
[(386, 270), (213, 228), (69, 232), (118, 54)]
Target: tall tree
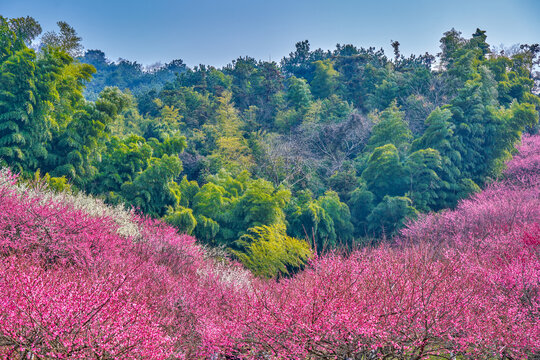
[(422, 168), (66, 40), (27, 91), (390, 129), (74, 151), (384, 174)]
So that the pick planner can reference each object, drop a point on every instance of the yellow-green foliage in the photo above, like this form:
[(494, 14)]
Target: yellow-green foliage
[(182, 218), (56, 184), (268, 252)]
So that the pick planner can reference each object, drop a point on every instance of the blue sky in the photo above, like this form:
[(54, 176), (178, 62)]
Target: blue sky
[(215, 32)]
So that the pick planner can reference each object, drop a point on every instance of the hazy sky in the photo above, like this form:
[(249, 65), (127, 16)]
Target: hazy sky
[(215, 31)]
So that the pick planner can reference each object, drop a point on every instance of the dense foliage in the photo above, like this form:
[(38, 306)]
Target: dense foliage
[(80, 280), (125, 74), (338, 148)]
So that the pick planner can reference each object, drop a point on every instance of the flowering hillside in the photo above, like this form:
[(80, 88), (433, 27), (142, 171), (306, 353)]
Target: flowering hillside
[(82, 280)]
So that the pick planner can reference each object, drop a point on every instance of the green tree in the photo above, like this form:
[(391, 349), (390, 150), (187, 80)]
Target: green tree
[(38, 94), (261, 204), (74, 151), (26, 28), (67, 40), (384, 174), (478, 41), (387, 88), (23, 126), (154, 190), (475, 127), (390, 129), (422, 168), (390, 215), (298, 93), (325, 81), (211, 201), (327, 111), (188, 189), (344, 182), (268, 252), (181, 218), (174, 144), (166, 125), (308, 220), (340, 214), (504, 131), (239, 203), (325, 222), (122, 160), (299, 63), (361, 205), (206, 230), (439, 135), (451, 43), (231, 149)]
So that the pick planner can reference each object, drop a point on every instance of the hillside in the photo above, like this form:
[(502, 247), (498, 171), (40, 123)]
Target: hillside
[(79, 280), (337, 204), (325, 150)]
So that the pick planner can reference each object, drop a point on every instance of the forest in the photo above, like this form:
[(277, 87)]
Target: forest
[(325, 150), (338, 204)]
